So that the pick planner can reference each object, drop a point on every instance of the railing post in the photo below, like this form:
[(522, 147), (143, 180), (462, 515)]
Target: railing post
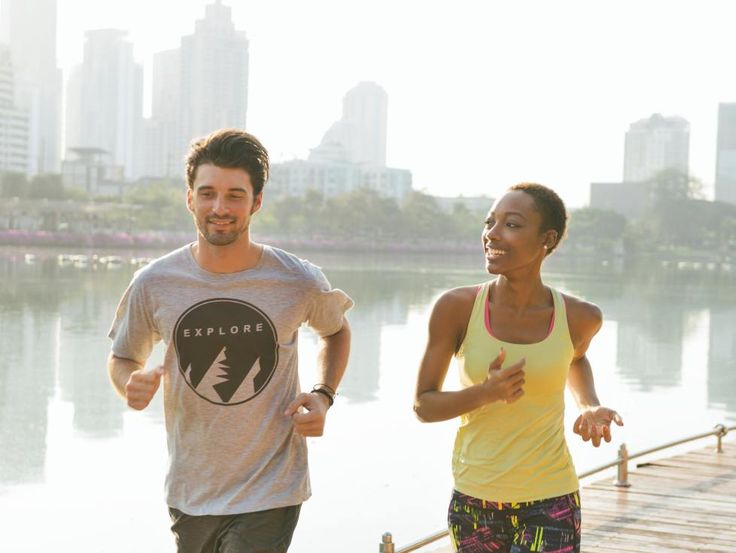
[(387, 544), (622, 473), (720, 432)]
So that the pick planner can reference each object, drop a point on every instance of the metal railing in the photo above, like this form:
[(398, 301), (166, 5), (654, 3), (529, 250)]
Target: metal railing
[(622, 481)]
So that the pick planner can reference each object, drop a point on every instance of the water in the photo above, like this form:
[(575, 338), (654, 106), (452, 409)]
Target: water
[(81, 472)]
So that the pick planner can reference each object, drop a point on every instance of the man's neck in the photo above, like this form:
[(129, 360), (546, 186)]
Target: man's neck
[(235, 257)]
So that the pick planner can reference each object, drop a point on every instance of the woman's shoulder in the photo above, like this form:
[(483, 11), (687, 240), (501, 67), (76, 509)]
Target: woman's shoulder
[(583, 317), (463, 296), (456, 305)]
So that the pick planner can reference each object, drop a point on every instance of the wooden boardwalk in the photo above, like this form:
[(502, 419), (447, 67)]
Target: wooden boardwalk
[(679, 504)]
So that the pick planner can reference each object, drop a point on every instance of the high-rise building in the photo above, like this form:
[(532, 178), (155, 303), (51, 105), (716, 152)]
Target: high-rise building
[(163, 147), (13, 121), (654, 145), (105, 100), (198, 88), (29, 28), (726, 154), (351, 155), (360, 136), (213, 76)]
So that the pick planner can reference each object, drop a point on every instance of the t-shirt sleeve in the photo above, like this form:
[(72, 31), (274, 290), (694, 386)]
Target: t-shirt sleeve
[(328, 305), (133, 332)]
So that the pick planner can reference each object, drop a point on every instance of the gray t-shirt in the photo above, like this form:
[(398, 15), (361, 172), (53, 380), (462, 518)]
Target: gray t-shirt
[(230, 372)]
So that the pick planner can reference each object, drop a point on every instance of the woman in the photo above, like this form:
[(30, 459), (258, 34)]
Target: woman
[(517, 342)]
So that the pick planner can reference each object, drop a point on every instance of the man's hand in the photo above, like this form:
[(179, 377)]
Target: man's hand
[(595, 422), (309, 421), (142, 386), (504, 384)]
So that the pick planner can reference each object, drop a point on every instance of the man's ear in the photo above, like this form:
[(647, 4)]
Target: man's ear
[(257, 203), (189, 200)]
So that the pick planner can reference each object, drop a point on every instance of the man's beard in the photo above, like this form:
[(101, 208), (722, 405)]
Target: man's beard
[(220, 238)]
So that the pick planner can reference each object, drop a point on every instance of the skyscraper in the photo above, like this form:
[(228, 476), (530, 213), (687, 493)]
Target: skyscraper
[(163, 149), (360, 135), (199, 87), (105, 100), (654, 145), (13, 121), (214, 76), (726, 154), (29, 28)]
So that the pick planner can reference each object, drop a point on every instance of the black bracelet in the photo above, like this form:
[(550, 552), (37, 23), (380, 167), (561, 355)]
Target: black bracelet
[(330, 397)]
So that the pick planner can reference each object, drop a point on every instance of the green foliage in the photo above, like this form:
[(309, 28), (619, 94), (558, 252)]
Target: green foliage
[(47, 186), (13, 185), (161, 206), (596, 229)]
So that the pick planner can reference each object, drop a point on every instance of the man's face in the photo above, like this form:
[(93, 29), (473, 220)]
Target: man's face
[(222, 203)]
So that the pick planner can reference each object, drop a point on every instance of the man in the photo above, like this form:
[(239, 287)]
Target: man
[(228, 310)]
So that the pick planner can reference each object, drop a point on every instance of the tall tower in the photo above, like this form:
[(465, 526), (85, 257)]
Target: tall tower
[(365, 107), (163, 150), (654, 145), (29, 28), (214, 76), (13, 121), (360, 136), (726, 154), (105, 100)]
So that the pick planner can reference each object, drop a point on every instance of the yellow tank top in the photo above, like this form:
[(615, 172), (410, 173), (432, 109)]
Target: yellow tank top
[(515, 452)]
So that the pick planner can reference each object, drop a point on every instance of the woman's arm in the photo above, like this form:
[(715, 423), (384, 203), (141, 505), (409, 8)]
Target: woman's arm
[(447, 326), (585, 320)]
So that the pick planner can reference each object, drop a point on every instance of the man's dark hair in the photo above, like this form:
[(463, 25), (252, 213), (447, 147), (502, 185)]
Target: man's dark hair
[(550, 206), (230, 149)]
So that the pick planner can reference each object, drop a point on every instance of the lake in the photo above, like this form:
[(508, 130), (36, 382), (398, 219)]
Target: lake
[(81, 472)]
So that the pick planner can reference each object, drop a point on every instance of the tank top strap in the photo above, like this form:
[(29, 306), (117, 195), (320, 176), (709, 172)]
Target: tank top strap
[(477, 315), (560, 327)]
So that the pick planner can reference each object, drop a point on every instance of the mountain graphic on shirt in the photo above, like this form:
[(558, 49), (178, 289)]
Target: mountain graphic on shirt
[(227, 350), (227, 382)]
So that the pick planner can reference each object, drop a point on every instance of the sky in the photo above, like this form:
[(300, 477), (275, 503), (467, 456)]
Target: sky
[(482, 94)]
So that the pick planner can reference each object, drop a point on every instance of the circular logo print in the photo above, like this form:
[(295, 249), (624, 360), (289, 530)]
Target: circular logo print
[(227, 350)]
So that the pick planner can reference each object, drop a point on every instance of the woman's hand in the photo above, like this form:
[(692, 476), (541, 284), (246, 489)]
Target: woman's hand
[(504, 384), (595, 422)]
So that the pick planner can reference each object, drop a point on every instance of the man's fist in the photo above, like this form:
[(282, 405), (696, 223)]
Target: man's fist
[(142, 386)]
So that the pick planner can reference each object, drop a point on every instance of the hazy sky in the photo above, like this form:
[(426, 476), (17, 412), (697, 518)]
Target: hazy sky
[(482, 94)]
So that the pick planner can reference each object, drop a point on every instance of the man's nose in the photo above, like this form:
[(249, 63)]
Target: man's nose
[(219, 205)]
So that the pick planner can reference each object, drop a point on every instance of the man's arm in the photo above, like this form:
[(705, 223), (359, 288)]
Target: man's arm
[(332, 358), (131, 382)]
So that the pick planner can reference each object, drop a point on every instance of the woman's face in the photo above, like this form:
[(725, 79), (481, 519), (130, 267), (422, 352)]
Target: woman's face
[(512, 237)]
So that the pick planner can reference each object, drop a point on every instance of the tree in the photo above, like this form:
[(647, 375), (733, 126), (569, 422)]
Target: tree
[(600, 229), (14, 185), (48, 186)]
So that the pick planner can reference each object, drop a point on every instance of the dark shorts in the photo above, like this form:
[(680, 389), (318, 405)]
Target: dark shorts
[(260, 532), (547, 525)]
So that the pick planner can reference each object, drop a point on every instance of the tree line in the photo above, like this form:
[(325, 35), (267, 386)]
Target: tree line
[(676, 220)]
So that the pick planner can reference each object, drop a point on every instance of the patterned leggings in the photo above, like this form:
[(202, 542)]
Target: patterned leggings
[(545, 526)]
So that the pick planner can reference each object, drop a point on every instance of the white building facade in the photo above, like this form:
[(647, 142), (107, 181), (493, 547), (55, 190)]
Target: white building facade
[(28, 27), (726, 154), (14, 127), (105, 100), (654, 145)]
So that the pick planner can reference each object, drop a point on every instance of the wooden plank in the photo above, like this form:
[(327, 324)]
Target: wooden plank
[(681, 504)]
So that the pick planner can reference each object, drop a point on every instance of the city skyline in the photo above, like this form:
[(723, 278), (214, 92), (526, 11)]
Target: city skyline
[(480, 97)]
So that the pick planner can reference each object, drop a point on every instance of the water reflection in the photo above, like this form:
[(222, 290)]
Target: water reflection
[(382, 298), (722, 358), (54, 320)]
